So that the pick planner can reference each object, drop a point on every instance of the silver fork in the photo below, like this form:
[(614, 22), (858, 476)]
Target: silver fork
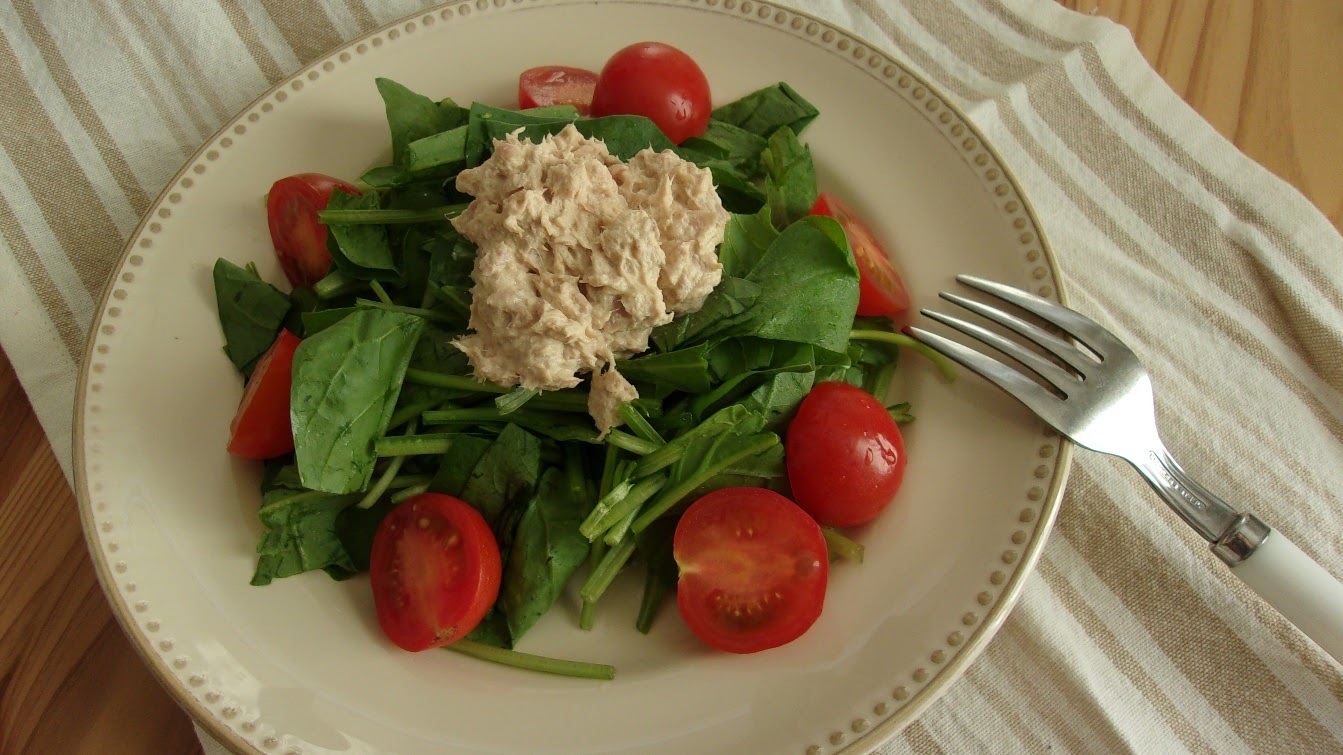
[(1101, 398)]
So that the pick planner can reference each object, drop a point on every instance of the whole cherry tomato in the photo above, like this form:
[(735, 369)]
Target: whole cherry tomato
[(844, 454), (659, 82)]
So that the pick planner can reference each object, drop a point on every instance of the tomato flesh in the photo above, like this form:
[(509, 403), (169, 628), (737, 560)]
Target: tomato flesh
[(880, 288), (260, 428), (299, 239), (435, 571), (659, 82), (844, 454), (556, 85), (753, 569)]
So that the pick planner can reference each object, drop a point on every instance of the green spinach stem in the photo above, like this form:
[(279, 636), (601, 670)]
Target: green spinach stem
[(406, 494), (943, 364), (375, 492), (384, 217), (639, 424), (605, 573), (672, 495), (428, 314), (413, 445), (631, 443), (840, 545), (529, 662)]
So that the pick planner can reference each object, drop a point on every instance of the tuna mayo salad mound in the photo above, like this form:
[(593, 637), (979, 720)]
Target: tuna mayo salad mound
[(580, 256)]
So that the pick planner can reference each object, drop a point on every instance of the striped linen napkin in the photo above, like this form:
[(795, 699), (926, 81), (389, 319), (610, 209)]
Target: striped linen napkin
[(1130, 637)]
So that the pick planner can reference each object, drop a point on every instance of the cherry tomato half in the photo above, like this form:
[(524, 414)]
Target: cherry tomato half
[(753, 569), (880, 289), (435, 571), (659, 82), (844, 454), (556, 85), (300, 241), (260, 429)]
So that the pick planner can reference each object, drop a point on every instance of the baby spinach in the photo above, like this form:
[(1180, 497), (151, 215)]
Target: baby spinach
[(724, 141), (412, 116), (808, 287), (346, 380), (790, 178), (482, 118), (251, 312), (438, 154), (766, 110), (504, 477), (746, 238), (547, 551), (624, 135), (729, 301), (301, 535), (683, 370), (360, 250), (454, 469)]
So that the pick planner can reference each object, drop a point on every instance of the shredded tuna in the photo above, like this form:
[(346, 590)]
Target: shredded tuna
[(579, 257)]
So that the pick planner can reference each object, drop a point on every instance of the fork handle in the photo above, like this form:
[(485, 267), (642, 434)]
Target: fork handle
[(1300, 589)]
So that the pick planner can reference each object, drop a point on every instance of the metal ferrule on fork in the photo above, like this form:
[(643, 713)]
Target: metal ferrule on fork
[(1234, 536)]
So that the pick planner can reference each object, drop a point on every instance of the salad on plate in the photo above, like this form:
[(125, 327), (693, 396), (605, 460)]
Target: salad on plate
[(612, 328)]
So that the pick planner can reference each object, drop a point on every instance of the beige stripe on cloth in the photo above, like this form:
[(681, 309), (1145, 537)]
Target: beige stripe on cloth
[(1128, 640)]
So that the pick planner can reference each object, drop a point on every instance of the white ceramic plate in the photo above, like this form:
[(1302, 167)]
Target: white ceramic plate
[(301, 665)]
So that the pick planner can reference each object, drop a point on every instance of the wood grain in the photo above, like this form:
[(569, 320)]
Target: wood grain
[(70, 682), (1264, 74)]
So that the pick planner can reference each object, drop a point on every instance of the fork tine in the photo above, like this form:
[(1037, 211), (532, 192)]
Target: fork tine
[(1020, 387), (1079, 326), (1057, 376), (1054, 345)]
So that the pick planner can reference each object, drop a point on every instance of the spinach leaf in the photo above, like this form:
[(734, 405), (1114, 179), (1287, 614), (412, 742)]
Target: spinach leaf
[(767, 358), (360, 250), (790, 178), (505, 475), (346, 380), (624, 135), (728, 437), (251, 312), (547, 550), (383, 176), (455, 468), (729, 302), (492, 630), (319, 320), (356, 528), (767, 110), (745, 240), (412, 116), (682, 370), (779, 396), (301, 535), (808, 288), (724, 141), (478, 143), (738, 193)]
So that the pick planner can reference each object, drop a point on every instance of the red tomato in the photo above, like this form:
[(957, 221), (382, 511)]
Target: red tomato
[(753, 569), (659, 82), (880, 290), (845, 455), (260, 429), (291, 212), (556, 85), (435, 571)]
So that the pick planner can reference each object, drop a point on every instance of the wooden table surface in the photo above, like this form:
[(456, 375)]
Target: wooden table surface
[(1264, 74)]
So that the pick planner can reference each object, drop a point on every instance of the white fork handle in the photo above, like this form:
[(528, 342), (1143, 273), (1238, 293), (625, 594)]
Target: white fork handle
[(1301, 590)]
